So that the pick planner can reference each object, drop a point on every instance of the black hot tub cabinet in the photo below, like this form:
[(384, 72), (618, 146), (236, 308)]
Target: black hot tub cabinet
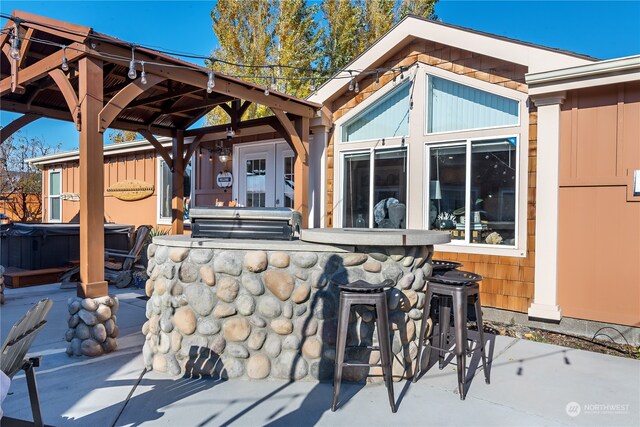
[(267, 309)]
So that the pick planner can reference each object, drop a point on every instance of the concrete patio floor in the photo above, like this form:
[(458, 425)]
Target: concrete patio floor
[(531, 384)]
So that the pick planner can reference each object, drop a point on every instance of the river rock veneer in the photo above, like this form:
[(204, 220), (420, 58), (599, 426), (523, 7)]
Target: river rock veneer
[(272, 313), (92, 326)]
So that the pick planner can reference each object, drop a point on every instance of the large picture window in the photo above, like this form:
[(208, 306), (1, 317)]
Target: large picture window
[(472, 190), (55, 203), (165, 192), (375, 189), (454, 107)]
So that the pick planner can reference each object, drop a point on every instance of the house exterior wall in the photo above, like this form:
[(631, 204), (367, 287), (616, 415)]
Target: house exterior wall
[(509, 280), (599, 219), (140, 166)]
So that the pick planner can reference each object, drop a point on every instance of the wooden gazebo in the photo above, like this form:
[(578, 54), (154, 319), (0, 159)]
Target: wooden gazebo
[(94, 91)]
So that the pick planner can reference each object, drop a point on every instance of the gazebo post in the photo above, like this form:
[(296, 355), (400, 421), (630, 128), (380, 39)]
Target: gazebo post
[(177, 181), (301, 172), (92, 283)]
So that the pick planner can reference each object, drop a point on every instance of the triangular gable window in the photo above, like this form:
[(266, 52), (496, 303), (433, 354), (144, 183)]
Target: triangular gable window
[(388, 117), (454, 107)]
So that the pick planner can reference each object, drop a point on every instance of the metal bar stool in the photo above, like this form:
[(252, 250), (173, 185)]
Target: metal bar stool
[(364, 293), (455, 288)]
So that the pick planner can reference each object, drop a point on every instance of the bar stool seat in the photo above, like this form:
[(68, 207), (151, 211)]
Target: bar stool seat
[(456, 295), (364, 293)]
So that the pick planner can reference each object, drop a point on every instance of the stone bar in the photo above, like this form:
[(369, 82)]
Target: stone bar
[(263, 309)]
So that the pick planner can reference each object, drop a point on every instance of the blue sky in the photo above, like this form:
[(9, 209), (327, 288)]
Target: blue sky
[(602, 29)]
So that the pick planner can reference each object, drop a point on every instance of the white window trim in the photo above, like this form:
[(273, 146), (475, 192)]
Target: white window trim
[(520, 248), (474, 83), (49, 197), (338, 216), (160, 220), (410, 74)]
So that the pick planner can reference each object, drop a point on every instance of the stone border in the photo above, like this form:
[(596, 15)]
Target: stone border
[(93, 326)]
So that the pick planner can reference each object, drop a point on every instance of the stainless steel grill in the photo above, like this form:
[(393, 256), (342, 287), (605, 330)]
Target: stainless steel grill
[(246, 223)]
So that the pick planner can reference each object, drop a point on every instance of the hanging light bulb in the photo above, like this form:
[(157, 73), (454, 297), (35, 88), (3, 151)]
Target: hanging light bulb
[(377, 78), (401, 73), (211, 83), (14, 53), (274, 83), (143, 74), (313, 85), (210, 158), (65, 65), (351, 82), (230, 134), (357, 87), (266, 90), (132, 65)]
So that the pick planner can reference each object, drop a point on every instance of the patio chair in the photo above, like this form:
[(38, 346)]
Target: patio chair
[(17, 345), (118, 264)]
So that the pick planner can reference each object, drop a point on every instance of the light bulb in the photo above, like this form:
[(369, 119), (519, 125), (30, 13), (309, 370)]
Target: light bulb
[(266, 90), (211, 83), (274, 83), (357, 88), (132, 70), (377, 79), (351, 84), (224, 158), (313, 85), (143, 74), (64, 66), (14, 53)]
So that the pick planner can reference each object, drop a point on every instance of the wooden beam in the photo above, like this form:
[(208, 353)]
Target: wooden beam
[(243, 109), (296, 142), (192, 148), (120, 101), (159, 148), (177, 184), (69, 94), (301, 174), (62, 29), (16, 125), (26, 42), (92, 283), (135, 127), (227, 109), (262, 121), (163, 97), (212, 102), (42, 67)]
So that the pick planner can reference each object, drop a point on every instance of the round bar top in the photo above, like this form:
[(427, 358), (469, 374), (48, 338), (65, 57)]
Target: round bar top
[(374, 237)]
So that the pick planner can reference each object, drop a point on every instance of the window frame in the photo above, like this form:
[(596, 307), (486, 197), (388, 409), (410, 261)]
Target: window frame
[(160, 219), (50, 197)]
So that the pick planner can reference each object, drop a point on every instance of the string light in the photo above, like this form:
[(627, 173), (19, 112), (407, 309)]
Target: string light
[(14, 53), (357, 87), (132, 65), (65, 65), (211, 83), (143, 74), (351, 82), (312, 85), (377, 78), (274, 83), (266, 90)]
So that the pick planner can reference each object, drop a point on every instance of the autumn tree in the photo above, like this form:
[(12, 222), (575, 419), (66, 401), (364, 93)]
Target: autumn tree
[(119, 136), (21, 183)]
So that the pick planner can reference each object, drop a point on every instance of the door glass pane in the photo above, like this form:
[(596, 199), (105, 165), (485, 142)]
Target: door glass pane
[(256, 183), (390, 188), (54, 184), (288, 181), (447, 189), (165, 192), (493, 191), (54, 211), (356, 190)]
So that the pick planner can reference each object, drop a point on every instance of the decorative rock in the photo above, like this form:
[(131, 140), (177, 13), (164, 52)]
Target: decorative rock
[(301, 274), (305, 259), (73, 321), (258, 321), (218, 344), (427, 269), (237, 350), (176, 341), (88, 317), (258, 367), (372, 266), (236, 329), (291, 342), (392, 271), (300, 310), (290, 365), (99, 332), (301, 293), (288, 310), (319, 279), (185, 320), (256, 261), (74, 307), (103, 313), (408, 261), (415, 314), (200, 256), (272, 346), (154, 323), (91, 348), (161, 254), (115, 332), (412, 296), (279, 259), (188, 272), (282, 326), (83, 331), (178, 254), (396, 252), (160, 286), (306, 326), (253, 284), (421, 298), (176, 289), (151, 250), (164, 344), (325, 305), (159, 363), (227, 289), (89, 304), (280, 283), (192, 343), (256, 339), (351, 260), (68, 336), (269, 307), (148, 287), (208, 326), (207, 275), (246, 305), (168, 271), (200, 298), (406, 281), (418, 283), (393, 298), (233, 368), (75, 347), (109, 345), (312, 348), (224, 310), (228, 263)]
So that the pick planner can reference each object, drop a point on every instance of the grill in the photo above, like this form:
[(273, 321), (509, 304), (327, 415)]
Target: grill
[(245, 223)]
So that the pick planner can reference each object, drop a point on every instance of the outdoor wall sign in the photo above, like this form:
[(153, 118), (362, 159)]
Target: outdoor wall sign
[(130, 190), (73, 197), (224, 179)]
